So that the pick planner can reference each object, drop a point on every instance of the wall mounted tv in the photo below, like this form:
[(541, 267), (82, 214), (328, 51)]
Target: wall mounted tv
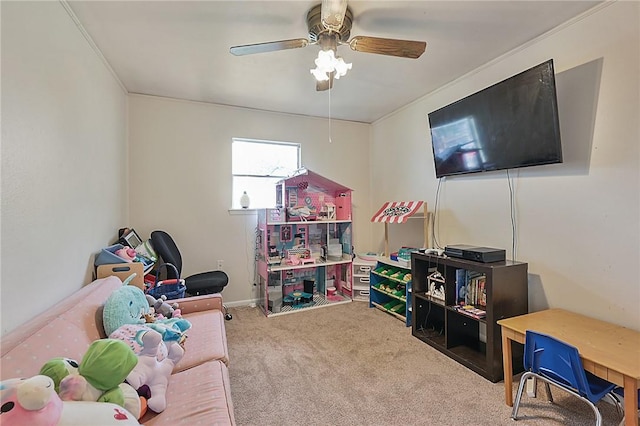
[(511, 124)]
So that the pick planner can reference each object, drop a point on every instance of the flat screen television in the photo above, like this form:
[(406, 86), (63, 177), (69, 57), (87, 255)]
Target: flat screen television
[(511, 124)]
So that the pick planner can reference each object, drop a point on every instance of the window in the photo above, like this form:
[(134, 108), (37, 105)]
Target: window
[(257, 166)]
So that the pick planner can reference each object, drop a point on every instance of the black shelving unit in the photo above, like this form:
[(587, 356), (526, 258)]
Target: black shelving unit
[(473, 342)]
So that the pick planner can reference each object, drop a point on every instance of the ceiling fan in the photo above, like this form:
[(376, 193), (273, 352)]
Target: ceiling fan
[(329, 26)]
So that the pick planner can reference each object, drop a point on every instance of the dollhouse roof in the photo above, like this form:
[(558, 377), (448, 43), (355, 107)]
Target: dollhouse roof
[(397, 211), (305, 176)]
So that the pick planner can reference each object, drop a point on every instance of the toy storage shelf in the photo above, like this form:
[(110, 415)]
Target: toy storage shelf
[(390, 289), (500, 289)]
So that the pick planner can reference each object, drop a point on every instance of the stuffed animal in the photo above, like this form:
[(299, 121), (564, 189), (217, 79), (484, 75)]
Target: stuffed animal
[(163, 308), (125, 305), (155, 362), (34, 402), (59, 368), (127, 254), (101, 375), (128, 305), (157, 344)]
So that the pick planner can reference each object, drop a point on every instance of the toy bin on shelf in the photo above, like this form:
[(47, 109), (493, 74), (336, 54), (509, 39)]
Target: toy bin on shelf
[(108, 255)]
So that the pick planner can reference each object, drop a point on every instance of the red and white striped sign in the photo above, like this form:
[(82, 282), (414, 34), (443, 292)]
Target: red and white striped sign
[(397, 211)]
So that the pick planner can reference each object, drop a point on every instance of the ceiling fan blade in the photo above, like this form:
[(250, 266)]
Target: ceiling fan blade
[(386, 46), (324, 85), (272, 46)]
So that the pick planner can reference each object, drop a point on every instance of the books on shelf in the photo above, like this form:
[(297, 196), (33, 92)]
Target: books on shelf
[(470, 288), (471, 311)]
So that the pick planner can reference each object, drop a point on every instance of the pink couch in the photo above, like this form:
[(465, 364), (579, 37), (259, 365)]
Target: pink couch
[(199, 389)]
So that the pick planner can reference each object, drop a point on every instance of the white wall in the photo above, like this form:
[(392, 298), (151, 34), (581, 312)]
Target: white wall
[(578, 222), (180, 172), (64, 159)]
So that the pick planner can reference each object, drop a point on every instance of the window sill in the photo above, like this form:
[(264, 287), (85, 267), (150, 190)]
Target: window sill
[(243, 212)]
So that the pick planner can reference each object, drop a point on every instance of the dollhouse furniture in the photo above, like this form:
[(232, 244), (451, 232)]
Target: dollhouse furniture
[(311, 231)]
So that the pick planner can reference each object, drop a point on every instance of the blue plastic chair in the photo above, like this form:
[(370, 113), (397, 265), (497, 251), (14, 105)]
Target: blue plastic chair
[(558, 363)]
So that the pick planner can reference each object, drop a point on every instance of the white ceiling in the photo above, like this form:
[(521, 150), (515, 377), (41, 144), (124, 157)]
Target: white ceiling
[(180, 49)]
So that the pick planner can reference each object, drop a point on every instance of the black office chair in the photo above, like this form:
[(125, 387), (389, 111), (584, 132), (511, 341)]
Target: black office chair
[(203, 283)]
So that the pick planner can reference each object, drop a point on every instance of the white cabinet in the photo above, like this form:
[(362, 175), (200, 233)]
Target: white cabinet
[(361, 278)]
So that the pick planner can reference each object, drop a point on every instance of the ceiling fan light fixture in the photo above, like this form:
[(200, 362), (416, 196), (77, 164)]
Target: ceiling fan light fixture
[(319, 74), (332, 14), (341, 68), (326, 63)]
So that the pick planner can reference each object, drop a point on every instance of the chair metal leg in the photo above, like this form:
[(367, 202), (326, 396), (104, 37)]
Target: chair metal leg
[(549, 396), (523, 380), (617, 402), (516, 403), (595, 410), (227, 315)]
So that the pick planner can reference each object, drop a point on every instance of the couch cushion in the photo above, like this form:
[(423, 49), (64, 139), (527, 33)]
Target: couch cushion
[(67, 329), (198, 396), (78, 308), (87, 312), (206, 340), (58, 338)]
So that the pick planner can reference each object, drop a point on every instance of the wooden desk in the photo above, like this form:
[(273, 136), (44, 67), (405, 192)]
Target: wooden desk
[(607, 350)]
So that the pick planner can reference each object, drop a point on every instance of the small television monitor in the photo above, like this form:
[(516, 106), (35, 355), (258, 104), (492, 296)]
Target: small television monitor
[(511, 124)]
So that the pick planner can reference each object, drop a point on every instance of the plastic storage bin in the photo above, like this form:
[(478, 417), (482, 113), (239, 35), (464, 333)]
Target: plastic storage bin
[(108, 255)]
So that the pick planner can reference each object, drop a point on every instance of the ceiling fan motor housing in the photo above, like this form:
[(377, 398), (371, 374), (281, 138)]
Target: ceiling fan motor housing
[(316, 28)]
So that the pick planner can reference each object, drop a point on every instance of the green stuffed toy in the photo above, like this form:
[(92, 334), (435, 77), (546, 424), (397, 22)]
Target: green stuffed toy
[(59, 368), (101, 375)]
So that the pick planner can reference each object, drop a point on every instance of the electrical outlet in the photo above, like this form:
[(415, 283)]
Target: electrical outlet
[(220, 264)]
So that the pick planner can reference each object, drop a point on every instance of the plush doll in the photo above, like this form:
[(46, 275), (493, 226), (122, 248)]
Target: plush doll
[(34, 402), (153, 372), (156, 344), (101, 373), (156, 359), (128, 305), (163, 308), (125, 305), (59, 368), (127, 254)]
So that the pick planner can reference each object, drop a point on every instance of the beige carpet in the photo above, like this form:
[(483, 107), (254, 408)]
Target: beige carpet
[(353, 365)]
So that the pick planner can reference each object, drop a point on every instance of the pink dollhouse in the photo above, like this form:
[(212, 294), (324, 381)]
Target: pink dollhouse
[(304, 247), (307, 196)]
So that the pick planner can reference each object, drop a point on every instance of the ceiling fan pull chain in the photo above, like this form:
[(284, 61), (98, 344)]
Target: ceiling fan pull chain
[(330, 141)]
